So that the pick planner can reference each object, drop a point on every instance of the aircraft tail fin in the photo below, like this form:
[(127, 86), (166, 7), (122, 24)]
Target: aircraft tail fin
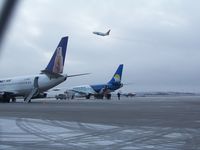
[(117, 76), (57, 61), (108, 32)]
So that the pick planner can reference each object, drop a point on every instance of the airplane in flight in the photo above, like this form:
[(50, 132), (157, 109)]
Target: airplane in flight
[(34, 86), (101, 33), (100, 90)]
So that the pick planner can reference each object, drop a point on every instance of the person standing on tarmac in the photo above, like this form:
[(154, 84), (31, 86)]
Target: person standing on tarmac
[(118, 95)]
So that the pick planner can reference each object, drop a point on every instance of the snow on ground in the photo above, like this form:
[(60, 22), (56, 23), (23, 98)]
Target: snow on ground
[(19, 133)]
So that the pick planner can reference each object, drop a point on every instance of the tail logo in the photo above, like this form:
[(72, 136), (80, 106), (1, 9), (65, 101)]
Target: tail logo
[(58, 63), (117, 78)]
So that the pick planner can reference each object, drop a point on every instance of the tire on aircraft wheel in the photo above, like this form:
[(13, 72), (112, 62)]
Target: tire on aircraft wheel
[(13, 99), (88, 96), (7, 100)]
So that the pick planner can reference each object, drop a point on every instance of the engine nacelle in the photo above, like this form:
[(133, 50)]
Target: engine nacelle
[(2, 94)]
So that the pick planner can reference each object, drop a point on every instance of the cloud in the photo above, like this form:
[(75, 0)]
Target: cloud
[(156, 40)]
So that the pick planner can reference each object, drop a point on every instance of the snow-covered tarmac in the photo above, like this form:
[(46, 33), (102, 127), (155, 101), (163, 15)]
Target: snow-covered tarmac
[(137, 125), (25, 133)]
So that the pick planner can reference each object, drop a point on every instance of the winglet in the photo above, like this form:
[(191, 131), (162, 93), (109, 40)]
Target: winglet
[(57, 61)]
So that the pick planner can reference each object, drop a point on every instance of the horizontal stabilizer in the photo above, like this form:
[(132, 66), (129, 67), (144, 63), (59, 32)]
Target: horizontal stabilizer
[(82, 74)]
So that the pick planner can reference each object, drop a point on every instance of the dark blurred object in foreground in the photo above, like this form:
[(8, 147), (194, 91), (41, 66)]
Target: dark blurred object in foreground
[(5, 16)]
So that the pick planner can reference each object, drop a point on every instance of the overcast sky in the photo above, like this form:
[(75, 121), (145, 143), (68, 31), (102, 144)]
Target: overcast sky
[(156, 40)]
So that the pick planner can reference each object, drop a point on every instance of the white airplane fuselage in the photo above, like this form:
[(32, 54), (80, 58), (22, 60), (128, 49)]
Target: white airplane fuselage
[(100, 90), (33, 86), (100, 33), (22, 86)]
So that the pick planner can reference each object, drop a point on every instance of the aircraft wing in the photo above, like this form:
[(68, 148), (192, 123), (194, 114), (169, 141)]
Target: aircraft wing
[(80, 92), (84, 90)]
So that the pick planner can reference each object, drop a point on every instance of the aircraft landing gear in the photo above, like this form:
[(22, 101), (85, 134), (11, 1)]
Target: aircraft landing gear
[(5, 99), (88, 96), (108, 96), (13, 99)]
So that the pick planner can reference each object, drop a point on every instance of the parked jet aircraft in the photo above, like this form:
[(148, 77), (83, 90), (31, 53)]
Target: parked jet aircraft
[(101, 90), (34, 86), (102, 34)]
